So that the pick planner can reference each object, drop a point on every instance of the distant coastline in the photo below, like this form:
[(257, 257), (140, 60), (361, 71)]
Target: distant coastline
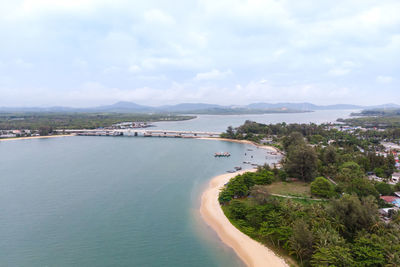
[(34, 137)]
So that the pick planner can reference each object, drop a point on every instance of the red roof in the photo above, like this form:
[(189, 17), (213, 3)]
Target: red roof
[(389, 199)]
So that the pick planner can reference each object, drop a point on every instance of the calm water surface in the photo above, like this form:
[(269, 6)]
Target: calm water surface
[(119, 201), (219, 123), (110, 201)]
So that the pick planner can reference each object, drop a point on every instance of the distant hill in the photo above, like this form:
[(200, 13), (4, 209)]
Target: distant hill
[(199, 108), (123, 107), (188, 107)]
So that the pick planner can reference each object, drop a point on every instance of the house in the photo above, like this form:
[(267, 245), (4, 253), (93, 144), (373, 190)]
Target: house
[(387, 211), (375, 178), (395, 177), (392, 200)]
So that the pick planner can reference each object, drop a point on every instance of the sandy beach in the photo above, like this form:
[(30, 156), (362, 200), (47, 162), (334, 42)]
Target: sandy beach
[(249, 251), (272, 148), (35, 137)]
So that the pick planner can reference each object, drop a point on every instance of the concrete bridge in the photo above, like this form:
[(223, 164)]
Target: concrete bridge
[(142, 132)]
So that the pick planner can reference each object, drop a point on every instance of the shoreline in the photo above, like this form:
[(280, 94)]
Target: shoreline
[(34, 137), (268, 147), (251, 252)]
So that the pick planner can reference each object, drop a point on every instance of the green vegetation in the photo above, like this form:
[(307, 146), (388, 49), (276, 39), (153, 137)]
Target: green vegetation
[(383, 118), (342, 230), (322, 187), (297, 188), (370, 122), (241, 184), (46, 122)]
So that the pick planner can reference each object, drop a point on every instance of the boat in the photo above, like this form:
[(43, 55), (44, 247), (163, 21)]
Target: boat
[(222, 154), (238, 168)]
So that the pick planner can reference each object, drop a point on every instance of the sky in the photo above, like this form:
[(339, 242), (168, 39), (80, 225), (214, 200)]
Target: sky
[(93, 52)]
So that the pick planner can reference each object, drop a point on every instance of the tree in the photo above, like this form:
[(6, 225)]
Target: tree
[(260, 194), (384, 189), (322, 187), (294, 139), (330, 156), (301, 241), (379, 172), (230, 133), (332, 256), (45, 130), (353, 213), (368, 252), (301, 162), (273, 230), (361, 186), (349, 171), (237, 209)]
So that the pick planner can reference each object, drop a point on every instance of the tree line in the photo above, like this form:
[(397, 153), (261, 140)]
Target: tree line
[(343, 230)]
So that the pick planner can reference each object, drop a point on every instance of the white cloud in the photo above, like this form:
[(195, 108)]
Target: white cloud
[(384, 79), (159, 17), (20, 63), (134, 68), (213, 75), (83, 64), (310, 50), (30, 9), (111, 70), (339, 71)]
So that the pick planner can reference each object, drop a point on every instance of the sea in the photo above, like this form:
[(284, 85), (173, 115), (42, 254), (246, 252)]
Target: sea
[(121, 201)]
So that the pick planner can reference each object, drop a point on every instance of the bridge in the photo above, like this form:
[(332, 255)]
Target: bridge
[(141, 132)]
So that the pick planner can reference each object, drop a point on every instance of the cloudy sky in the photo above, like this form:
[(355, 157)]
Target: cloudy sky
[(93, 52)]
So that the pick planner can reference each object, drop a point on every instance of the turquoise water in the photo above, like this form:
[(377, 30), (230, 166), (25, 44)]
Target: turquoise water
[(111, 201)]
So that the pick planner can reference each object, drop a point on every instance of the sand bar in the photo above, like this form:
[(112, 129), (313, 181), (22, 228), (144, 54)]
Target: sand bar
[(34, 137), (251, 252)]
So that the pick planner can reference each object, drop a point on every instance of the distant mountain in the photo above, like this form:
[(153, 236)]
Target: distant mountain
[(200, 108), (188, 107), (122, 106)]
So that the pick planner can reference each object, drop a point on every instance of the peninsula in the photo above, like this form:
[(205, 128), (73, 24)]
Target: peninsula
[(335, 201)]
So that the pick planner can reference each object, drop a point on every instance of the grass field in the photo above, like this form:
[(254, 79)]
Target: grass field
[(298, 189)]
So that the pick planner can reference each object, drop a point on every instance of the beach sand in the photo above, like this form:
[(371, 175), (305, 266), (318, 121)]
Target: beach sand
[(272, 148), (251, 252), (34, 137)]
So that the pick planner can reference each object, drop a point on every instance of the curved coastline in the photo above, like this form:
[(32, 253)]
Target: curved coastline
[(251, 252)]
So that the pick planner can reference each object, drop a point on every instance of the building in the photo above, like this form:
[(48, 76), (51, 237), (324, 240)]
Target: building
[(387, 213), (395, 178), (392, 200)]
